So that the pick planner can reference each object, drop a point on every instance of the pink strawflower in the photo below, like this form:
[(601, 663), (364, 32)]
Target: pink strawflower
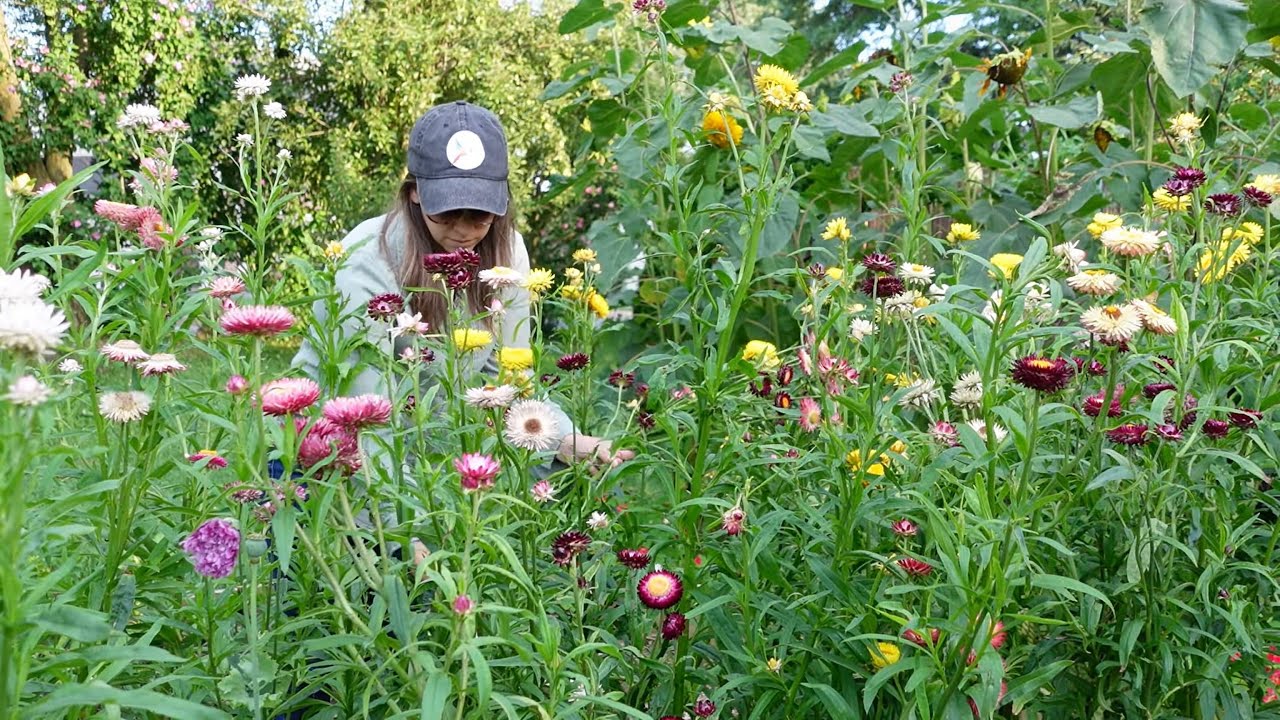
[(151, 226), (914, 567), (259, 320), (660, 589), (810, 414), (998, 635), (125, 351), (160, 364), (634, 559), (673, 626), (905, 528), (543, 492), (733, 520), (358, 412), (462, 605), (915, 637), (214, 548), (703, 707), (237, 384), (216, 461), (288, 396), (476, 471), (225, 286), (322, 439), (944, 433), (128, 217)]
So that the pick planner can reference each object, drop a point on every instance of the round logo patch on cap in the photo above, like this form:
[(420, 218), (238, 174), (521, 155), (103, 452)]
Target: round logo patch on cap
[(464, 150)]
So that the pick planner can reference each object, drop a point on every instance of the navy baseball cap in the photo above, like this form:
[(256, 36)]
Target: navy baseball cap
[(458, 153)]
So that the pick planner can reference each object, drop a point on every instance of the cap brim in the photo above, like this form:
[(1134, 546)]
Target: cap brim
[(444, 194)]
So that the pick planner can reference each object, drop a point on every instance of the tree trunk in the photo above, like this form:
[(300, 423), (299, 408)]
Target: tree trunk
[(10, 100)]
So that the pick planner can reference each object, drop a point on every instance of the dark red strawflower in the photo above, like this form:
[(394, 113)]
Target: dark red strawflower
[(1256, 197), (1043, 374), (1129, 434), (1163, 363), (879, 263), (1244, 419), (646, 420), (1151, 390), (620, 379), (566, 547), (817, 270), (1216, 429), (548, 379), (1225, 204), (1168, 432), (882, 286), (459, 279), (573, 361), (915, 637), (1195, 176), (440, 262), (428, 355), (673, 626), (1179, 188), (385, 306), (660, 589), (1092, 367), (763, 388), (467, 258), (642, 390), (1189, 405), (782, 401), (914, 567), (1092, 404), (703, 707), (634, 559), (785, 374)]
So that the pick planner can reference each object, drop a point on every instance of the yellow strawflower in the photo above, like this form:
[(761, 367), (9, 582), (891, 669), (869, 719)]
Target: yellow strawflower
[(515, 358), (539, 281), (584, 255), (468, 339), (962, 232), (761, 352), (1269, 184), (20, 185), (768, 76), (837, 229), (774, 665), (721, 129), (1185, 126), (1171, 203), (1006, 262), (334, 251), (1249, 232), (835, 273), (885, 654), (598, 304), (1103, 222)]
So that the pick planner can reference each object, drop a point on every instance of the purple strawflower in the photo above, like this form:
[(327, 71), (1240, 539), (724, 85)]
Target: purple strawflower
[(1178, 188), (673, 626), (214, 548), (1216, 429), (1195, 176), (900, 81), (573, 361), (879, 263), (1225, 204), (1256, 197), (1168, 432), (882, 286)]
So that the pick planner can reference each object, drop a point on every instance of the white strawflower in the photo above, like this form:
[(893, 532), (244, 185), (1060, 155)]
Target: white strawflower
[(124, 407), (980, 427), (916, 274), (532, 425), (245, 139), (1131, 242), (70, 366), (938, 291), (1095, 282), (920, 394), (902, 305), (1154, 319), (21, 285), (491, 396), (27, 390), (138, 114), (1113, 324), (248, 86), (284, 154), (273, 110), (598, 521), (1074, 256), (967, 392), (212, 233), (499, 277), (31, 325), (860, 329)]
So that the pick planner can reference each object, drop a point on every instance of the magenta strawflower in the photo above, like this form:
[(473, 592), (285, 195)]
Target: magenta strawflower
[(385, 306), (1151, 390), (216, 461), (1129, 434), (810, 415), (1092, 367), (1193, 176), (476, 471), (567, 546), (1216, 429), (703, 707), (733, 520), (1043, 374), (358, 412), (214, 548), (1093, 404), (914, 567), (634, 559), (261, 320), (879, 263), (288, 396), (573, 361), (1257, 198), (322, 439), (944, 433), (462, 605), (673, 626), (1244, 418), (237, 384), (1168, 432), (660, 589), (905, 528), (1225, 204)]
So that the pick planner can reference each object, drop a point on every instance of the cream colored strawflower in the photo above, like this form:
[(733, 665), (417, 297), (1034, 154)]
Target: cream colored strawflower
[(1095, 282), (124, 407), (1154, 319), (1113, 324), (499, 276), (1185, 126), (916, 273), (967, 393), (1269, 184), (1131, 242)]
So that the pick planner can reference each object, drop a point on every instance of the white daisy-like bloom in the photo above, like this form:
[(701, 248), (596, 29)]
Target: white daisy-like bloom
[(125, 351), (938, 291), (70, 366), (1131, 242), (21, 286), (1154, 319), (124, 407), (160, 364), (917, 274), (138, 115), (211, 233), (532, 425), (1112, 324), (1095, 282), (500, 277), (1072, 255), (860, 329), (598, 521), (409, 324), (284, 154), (967, 392), (29, 391), (901, 306), (980, 427), (248, 86), (245, 139), (920, 394), (273, 110), (491, 396), (32, 326)]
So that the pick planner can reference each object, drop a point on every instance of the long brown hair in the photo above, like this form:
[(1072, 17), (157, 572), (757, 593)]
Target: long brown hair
[(494, 250)]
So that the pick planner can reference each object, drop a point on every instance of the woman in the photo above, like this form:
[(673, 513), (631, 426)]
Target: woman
[(455, 198)]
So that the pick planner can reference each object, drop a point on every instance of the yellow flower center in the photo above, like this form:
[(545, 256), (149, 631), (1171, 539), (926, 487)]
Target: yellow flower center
[(658, 585), (1041, 364)]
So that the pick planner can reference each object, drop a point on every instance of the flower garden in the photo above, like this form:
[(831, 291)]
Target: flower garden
[(951, 380)]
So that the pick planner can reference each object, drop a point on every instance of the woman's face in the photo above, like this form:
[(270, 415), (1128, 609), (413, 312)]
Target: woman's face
[(457, 229)]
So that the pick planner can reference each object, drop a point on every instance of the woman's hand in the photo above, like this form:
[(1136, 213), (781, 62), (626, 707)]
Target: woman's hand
[(597, 452)]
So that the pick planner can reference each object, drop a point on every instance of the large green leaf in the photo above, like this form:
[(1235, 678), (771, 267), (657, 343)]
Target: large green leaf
[(97, 694), (843, 119), (1075, 114), (585, 14), (1190, 39), (1265, 16)]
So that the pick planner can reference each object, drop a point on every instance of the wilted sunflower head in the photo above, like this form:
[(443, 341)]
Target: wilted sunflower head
[(1005, 69)]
